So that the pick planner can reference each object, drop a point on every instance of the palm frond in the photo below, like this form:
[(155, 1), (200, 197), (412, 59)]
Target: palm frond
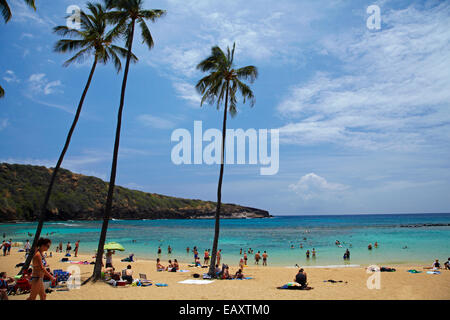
[(5, 10), (2, 92), (31, 4), (80, 56), (247, 73), (145, 33)]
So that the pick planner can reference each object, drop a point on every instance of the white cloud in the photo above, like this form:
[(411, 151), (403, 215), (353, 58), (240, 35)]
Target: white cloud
[(3, 123), (155, 122), (39, 84), (313, 186), (395, 93), (187, 92), (10, 77)]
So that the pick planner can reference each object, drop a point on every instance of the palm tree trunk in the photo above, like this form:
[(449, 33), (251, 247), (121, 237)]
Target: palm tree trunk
[(43, 214), (212, 265), (112, 180)]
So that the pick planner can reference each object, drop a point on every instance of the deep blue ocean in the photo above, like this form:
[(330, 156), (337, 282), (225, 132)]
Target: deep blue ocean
[(274, 235)]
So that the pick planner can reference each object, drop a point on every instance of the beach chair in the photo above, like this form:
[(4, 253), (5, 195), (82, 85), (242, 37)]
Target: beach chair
[(143, 278)]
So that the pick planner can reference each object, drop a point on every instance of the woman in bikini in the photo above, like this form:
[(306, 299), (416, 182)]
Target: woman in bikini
[(39, 271)]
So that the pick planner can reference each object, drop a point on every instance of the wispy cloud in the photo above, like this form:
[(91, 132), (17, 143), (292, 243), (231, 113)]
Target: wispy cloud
[(156, 122), (3, 123), (11, 77), (395, 94)]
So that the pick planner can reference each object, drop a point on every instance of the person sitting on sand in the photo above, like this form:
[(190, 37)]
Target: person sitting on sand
[(128, 276), (159, 266), (197, 262), (239, 274), (436, 265), (4, 285), (301, 278), (226, 273), (175, 266), (447, 264), (170, 266), (217, 270)]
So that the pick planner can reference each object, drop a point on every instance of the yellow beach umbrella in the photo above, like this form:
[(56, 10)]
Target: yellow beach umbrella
[(113, 246)]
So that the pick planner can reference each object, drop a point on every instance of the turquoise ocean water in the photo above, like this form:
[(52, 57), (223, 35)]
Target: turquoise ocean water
[(275, 235)]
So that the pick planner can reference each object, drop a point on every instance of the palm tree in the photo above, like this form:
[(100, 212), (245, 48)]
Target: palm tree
[(2, 92), (91, 39), (6, 11), (125, 15), (223, 82)]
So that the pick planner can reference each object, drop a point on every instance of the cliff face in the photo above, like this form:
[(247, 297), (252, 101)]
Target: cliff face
[(79, 197)]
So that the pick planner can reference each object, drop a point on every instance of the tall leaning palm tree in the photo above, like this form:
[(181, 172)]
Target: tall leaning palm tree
[(222, 84), (6, 11), (124, 16), (91, 40)]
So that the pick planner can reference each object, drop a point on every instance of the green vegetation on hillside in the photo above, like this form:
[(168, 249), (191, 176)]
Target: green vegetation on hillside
[(75, 196)]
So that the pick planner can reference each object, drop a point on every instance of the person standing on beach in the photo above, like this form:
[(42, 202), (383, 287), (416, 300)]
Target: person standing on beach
[(68, 248), (108, 257), (265, 255), (27, 247), (4, 247), (245, 258), (77, 244), (219, 256), (206, 258), (60, 246), (39, 271), (159, 251), (257, 257), (9, 246)]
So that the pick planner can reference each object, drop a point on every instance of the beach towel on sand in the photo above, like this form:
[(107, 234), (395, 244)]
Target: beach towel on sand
[(414, 271), (294, 286), (161, 285), (433, 272)]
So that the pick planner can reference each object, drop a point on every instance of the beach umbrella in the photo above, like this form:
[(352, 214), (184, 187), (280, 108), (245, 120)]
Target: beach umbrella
[(113, 246)]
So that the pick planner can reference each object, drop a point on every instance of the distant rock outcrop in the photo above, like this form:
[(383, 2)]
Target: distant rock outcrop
[(79, 197)]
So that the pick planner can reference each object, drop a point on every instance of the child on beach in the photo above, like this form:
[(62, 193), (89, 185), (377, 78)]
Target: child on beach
[(4, 285)]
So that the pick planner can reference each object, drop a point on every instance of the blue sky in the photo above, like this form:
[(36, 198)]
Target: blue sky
[(364, 115)]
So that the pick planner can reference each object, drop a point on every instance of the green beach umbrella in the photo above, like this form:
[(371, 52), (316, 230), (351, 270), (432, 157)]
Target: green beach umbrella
[(113, 246)]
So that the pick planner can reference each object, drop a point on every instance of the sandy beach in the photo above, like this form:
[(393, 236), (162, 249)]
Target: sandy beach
[(394, 285)]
